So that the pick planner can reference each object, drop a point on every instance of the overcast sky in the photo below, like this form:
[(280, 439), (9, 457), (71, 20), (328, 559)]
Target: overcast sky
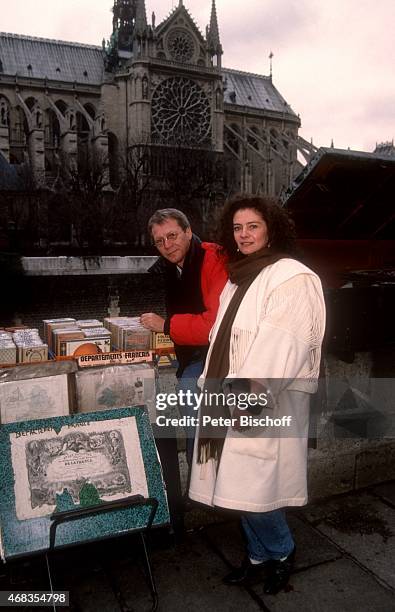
[(334, 62)]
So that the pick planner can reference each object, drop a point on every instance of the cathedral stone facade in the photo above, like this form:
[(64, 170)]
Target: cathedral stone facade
[(157, 85)]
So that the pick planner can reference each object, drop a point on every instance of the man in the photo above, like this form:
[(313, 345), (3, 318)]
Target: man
[(195, 275)]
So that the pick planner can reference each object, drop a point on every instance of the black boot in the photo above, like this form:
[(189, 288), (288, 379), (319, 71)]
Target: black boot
[(247, 573), (278, 573)]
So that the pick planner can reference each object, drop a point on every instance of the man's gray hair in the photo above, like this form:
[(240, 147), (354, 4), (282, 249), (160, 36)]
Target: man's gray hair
[(162, 215)]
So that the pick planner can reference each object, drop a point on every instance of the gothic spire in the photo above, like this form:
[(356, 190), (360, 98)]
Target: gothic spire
[(141, 17), (214, 43), (122, 23)]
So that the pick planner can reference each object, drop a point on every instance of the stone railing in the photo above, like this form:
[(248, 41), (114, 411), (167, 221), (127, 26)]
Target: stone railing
[(69, 266)]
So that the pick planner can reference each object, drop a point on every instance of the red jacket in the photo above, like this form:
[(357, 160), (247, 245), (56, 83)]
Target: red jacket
[(194, 329)]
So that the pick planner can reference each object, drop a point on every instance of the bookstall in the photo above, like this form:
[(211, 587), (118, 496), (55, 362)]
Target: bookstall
[(79, 458)]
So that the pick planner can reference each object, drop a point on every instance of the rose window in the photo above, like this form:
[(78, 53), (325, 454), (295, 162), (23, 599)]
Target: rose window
[(180, 112), (180, 45)]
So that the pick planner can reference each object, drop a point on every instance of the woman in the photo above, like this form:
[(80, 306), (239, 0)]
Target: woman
[(266, 340)]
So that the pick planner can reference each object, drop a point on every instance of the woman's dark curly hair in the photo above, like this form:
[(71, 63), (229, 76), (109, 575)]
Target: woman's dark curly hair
[(281, 228)]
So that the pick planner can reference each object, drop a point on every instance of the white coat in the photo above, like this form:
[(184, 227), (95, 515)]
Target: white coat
[(276, 338)]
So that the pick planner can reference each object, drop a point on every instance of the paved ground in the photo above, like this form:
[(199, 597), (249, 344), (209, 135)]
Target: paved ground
[(345, 562)]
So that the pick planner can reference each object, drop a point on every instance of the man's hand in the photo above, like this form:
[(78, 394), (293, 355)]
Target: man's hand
[(152, 321)]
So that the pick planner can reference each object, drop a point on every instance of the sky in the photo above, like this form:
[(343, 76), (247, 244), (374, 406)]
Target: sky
[(333, 62)]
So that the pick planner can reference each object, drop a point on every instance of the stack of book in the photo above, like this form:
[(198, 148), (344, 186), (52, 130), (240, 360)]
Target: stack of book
[(29, 345), (7, 348), (70, 337), (127, 334)]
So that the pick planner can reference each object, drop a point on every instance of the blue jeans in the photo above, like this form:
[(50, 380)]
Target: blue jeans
[(188, 382), (268, 535)]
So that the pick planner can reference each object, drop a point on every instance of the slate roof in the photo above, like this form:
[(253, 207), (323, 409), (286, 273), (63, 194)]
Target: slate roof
[(67, 61), (254, 91), (55, 59)]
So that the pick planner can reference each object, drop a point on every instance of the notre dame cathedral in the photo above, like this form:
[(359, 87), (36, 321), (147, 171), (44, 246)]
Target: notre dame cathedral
[(160, 85)]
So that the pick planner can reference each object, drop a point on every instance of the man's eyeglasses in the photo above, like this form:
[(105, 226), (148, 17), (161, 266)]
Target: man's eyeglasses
[(171, 237)]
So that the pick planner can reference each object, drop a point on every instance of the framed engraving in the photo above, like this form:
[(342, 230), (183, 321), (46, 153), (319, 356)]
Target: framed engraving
[(106, 454), (103, 456)]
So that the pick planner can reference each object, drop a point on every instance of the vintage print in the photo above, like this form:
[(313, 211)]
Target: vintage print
[(116, 387), (106, 454), (35, 398)]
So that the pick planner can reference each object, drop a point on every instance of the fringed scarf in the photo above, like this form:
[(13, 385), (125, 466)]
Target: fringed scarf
[(242, 273)]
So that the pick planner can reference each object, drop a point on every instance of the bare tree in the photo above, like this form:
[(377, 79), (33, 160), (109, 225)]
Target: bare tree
[(19, 209), (192, 181), (132, 194), (84, 211), (78, 207)]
